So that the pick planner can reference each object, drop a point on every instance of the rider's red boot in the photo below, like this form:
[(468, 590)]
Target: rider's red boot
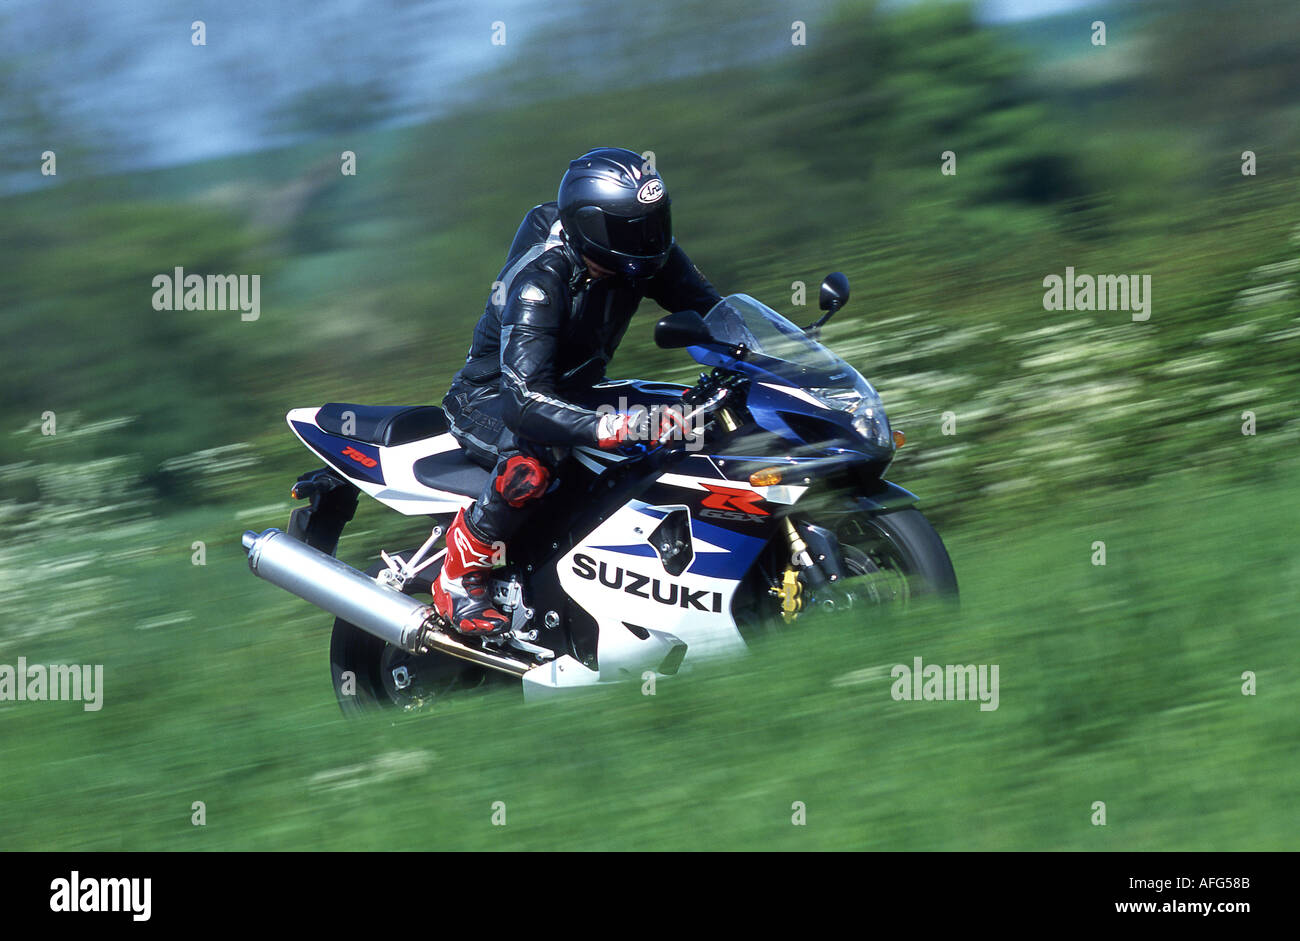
[(463, 593)]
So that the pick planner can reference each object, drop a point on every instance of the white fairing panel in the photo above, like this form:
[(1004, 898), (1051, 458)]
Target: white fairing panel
[(557, 676), (618, 588), (400, 490)]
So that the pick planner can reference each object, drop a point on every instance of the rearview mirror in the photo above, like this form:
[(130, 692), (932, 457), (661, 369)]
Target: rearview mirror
[(834, 293), (684, 328)]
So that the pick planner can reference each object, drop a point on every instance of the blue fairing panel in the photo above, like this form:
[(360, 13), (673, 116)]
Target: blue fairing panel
[(356, 459), (739, 550)]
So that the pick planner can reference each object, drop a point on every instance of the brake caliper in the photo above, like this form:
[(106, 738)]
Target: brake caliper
[(791, 594)]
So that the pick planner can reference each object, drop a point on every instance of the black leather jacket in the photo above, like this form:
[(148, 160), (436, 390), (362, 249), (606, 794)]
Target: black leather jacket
[(549, 328)]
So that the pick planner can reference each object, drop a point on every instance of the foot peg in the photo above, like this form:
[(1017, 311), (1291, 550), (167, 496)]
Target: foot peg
[(522, 640)]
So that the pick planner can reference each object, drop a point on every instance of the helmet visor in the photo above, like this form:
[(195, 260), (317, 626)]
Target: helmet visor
[(644, 236)]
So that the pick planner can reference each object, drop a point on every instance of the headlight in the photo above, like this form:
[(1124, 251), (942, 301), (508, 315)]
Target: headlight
[(868, 413), (872, 424)]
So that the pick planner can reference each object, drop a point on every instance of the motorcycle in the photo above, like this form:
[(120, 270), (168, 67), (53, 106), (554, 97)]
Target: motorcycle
[(771, 510)]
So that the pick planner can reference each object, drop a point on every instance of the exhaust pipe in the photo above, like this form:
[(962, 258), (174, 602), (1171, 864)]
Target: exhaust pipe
[(357, 598)]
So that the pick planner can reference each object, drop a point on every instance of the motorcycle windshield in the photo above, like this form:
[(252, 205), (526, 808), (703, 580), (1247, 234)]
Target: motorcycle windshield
[(782, 348), (776, 347)]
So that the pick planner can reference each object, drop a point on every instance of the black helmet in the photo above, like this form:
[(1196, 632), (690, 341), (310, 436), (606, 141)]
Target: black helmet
[(614, 210)]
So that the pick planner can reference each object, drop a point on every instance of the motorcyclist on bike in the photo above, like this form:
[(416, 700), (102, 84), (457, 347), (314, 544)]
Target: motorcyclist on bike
[(575, 273)]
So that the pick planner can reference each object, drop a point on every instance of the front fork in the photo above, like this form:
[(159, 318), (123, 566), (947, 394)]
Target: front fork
[(816, 563)]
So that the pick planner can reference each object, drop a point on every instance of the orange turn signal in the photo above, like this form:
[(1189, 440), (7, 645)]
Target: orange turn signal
[(899, 439), (767, 477)]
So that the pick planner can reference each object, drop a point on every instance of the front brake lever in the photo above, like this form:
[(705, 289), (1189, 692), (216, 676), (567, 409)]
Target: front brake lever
[(712, 402), (688, 417)]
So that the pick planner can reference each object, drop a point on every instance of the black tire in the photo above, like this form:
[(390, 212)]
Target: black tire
[(906, 542), (372, 664), (889, 560)]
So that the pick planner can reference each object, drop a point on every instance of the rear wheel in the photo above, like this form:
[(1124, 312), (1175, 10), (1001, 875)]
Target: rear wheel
[(370, 674)]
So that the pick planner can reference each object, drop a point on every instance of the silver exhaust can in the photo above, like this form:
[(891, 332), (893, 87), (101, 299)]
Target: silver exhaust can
[(338, 588)]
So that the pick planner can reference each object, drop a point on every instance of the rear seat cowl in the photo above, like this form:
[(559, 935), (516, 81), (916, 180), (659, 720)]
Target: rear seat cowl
[(383, 425)]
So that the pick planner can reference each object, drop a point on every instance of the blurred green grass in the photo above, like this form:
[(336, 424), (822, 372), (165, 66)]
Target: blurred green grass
[(1119, 683)]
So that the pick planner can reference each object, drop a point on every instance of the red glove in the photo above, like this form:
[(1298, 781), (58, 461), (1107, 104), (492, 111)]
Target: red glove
[(619, 428)]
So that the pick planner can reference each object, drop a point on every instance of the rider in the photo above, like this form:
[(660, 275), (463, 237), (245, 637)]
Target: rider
[(575, 273)]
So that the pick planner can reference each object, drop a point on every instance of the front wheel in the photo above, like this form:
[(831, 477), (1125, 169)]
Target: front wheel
[(896, 556), (889, 560)]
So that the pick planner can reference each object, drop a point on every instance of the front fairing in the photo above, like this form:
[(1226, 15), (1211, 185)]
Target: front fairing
[(799, 389)]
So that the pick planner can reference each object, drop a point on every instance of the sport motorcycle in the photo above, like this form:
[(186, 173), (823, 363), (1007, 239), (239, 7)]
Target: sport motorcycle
[(768, 511)]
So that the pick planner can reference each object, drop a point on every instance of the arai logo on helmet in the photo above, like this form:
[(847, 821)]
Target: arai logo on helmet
[(650, 191)]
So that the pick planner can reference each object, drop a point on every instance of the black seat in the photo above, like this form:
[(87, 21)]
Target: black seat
[(384, 425), (451, 470)]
